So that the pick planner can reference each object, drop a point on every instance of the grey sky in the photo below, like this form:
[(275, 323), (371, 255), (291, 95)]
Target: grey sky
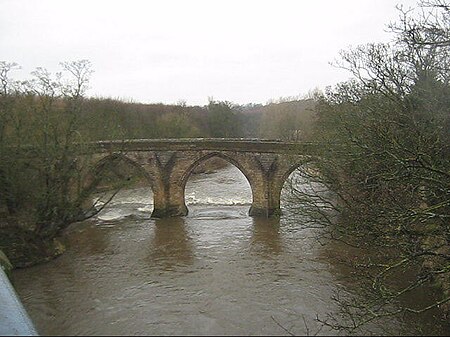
[(164, 51)]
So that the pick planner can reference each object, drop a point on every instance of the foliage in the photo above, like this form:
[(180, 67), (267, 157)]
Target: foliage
[(106, 118), (176, 125), (223, 119), (387, 164), (41, 169), (288, 120)]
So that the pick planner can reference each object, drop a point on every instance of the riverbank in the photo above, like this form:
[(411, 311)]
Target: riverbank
[(24, 248)]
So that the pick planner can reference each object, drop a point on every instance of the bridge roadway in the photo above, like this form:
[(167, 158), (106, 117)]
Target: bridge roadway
[(168, 163), (212, 144)]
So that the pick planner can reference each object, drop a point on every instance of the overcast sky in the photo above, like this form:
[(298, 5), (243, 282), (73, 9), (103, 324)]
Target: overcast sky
[(165, 51)]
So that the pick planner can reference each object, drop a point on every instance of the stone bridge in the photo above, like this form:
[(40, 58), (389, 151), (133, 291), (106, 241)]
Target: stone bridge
[(168, 164)]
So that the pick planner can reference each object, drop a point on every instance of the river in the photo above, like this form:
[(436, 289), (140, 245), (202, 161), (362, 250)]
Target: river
[(216, 271)]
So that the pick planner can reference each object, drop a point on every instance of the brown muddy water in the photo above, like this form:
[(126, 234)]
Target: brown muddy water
[(216, 271)]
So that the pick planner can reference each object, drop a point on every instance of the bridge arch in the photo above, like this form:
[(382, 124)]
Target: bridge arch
[(229, 159), (101, 164), (109, 162), (278, 183)]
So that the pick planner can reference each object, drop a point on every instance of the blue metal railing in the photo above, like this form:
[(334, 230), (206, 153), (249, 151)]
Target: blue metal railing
[(14, 320)]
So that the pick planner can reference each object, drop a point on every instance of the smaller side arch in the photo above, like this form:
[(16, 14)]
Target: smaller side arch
[(278, 179), (95, 174), (102, 163)]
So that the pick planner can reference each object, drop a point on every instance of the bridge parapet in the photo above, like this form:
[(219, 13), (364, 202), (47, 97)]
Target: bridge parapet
[(211, 144)]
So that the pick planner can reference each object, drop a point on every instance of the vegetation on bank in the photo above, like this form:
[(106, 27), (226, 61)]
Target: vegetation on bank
[(388, 167)]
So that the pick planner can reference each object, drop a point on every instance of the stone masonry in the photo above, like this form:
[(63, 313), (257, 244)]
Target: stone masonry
[(168, 164)]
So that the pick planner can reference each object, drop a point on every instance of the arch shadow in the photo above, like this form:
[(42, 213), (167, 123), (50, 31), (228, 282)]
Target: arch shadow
[(109, 163)]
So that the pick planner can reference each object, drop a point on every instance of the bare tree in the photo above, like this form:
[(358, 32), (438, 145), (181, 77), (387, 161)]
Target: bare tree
[(41, 170), (384, 182)]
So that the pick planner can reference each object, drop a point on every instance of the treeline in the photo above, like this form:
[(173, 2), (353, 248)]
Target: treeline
[(105, 118), (112, 119)]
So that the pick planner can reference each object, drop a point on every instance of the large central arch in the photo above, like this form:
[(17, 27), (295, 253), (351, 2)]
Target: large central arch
[(188, 173)]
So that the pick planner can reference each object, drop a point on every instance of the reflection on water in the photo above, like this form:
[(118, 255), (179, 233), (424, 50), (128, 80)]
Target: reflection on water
[(216, 271), (171, 245), (266, 239)]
